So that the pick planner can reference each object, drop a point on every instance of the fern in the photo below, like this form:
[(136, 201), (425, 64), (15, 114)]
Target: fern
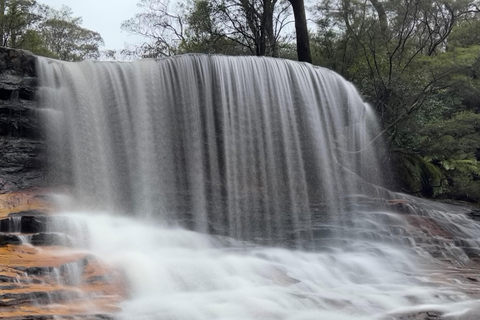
[(465, 166), (422, 175)]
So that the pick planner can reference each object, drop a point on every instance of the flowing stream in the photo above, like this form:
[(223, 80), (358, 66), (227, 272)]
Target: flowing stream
[(247, 188)]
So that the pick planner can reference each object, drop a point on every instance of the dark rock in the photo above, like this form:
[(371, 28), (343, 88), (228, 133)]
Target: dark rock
[(474, 214), (27, 213), (430, 315), (9, 287), (33, 224), (6, 239), (50, 239), (41, 297), (36, 271), (17, 62), (22, 145), (5, 225), (7, 279), (13, 223)]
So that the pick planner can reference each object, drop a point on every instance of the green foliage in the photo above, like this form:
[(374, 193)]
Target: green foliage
[(465, 34), (65, 39), (234, 27), (445, 161), (16, 18), (418, 63), (34, 42), (45, 31), (421, 176)]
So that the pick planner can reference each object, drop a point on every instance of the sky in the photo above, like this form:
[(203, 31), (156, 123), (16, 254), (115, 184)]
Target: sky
[(102, 16)]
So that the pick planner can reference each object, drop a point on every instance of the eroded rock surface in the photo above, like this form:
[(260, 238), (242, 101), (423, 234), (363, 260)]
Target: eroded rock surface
[(40, 277), (21, 139)]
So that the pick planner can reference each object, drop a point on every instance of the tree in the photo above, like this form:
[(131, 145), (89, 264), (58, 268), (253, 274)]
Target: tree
[(162, 26), (45, 31), (256, 25), (388, 44), (248, 26), (301, 29), (205, 32), (417, 62), (16, 17), (64, 37)]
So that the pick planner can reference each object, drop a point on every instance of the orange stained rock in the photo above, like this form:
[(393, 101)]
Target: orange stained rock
[(429, 226), (23, 201), (100, 290), (27, 256), (101, 287), (71, 309)]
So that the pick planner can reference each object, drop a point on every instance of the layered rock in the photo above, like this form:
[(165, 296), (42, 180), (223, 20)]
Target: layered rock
[(21, 140), (42, 276)]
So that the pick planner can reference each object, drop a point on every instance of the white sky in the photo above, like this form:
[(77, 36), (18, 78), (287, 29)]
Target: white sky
[(102, 16)]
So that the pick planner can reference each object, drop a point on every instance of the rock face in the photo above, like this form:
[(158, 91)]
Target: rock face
[(42, 276), (21, 140)]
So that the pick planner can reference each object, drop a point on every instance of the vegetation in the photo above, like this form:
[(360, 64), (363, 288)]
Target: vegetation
[(238, 27), (26, 24), (417, 62)]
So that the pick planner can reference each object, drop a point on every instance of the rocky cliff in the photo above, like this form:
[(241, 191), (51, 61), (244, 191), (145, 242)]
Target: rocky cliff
[(21, 139)]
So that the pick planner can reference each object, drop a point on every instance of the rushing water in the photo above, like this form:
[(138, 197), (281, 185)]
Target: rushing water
[(242, 188)]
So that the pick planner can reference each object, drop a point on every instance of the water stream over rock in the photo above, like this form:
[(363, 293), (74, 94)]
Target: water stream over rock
[(247, 188)]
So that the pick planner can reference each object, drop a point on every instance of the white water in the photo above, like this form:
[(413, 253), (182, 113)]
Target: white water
[(184, 275), (243, 146)]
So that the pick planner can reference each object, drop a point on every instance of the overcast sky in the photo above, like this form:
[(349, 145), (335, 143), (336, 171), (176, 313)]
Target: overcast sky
[(102, 16)]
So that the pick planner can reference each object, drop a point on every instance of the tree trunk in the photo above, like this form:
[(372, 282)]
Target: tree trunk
[(303, 43), (268, 11)]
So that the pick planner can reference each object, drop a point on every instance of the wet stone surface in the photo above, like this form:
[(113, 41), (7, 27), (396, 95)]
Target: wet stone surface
[(42, 275), (22, 144)]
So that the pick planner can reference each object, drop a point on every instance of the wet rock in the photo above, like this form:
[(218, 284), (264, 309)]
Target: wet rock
[(31, 221), (52, 282), (50, 239), (33, 224), (474, 214), (22, 145), (28, 213), (21, 163), (429, 315), (6, 279), (70, 317), (6, 239), (36, 271), (5, 225), (44, 297)]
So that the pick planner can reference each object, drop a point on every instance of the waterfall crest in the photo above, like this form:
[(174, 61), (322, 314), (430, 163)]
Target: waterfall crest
[(247, 147)]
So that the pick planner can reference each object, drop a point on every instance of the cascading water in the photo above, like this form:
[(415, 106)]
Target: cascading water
[(267, 156), (240, 146)]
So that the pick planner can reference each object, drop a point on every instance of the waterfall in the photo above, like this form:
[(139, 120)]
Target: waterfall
[(246, 147), (244, 188)]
